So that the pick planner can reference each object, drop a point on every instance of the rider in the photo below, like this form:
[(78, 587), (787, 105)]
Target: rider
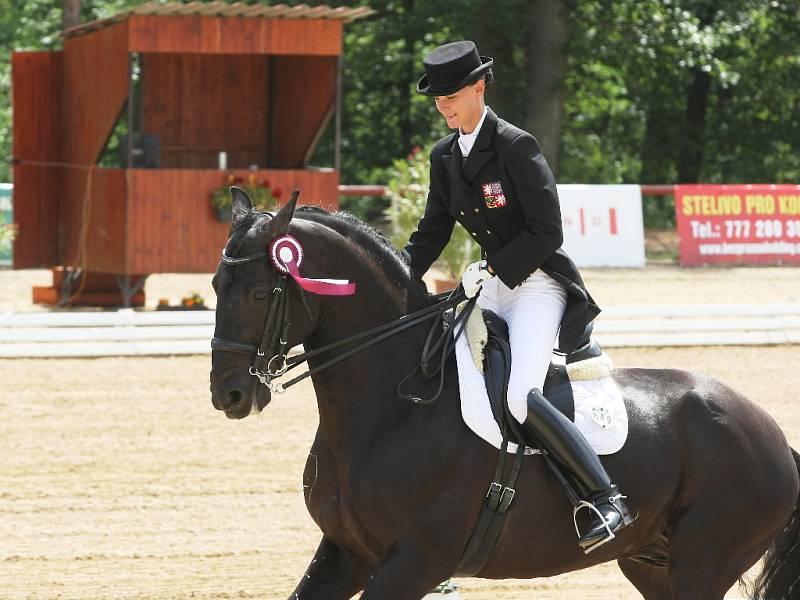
[(491, 177)]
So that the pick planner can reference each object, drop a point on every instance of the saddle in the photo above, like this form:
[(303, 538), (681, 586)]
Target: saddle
[(497, 370)]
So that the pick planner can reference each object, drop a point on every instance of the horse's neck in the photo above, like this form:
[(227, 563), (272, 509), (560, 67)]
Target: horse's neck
[(358, 397)]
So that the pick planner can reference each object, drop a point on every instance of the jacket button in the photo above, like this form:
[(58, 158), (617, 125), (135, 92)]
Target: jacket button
[(489, 232), (476, 210), (462, 213), (474, 234)]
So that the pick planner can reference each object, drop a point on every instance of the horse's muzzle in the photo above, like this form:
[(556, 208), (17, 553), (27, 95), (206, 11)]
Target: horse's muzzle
[(238, 396)]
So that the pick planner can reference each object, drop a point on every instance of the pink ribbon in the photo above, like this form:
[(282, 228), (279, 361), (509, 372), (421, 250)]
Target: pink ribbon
[(287, 256)]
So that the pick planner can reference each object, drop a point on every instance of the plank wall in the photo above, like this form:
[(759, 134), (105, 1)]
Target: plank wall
[(95, 92), (217, 35), (304, 96), (36, 98), (201, 104), (171, 227)]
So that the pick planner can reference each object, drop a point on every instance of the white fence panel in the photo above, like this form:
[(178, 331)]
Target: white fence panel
[(130, 332)]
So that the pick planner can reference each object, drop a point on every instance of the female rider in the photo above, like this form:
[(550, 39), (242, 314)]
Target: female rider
[(491, 177)]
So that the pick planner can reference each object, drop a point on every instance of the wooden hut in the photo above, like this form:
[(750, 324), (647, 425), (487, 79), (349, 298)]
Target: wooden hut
[(118, 137)]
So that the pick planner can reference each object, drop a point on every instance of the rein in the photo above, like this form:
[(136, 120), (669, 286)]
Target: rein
[(270, 359)]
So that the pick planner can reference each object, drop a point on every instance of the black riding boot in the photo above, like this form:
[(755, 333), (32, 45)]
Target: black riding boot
[(546, 426)]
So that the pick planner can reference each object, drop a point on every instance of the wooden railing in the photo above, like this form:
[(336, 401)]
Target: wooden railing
[(380, 190)]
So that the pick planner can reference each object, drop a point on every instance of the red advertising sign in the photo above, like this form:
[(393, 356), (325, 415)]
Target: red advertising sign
[(738, 224)]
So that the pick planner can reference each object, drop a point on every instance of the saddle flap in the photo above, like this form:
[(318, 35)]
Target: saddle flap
[(497, 370)]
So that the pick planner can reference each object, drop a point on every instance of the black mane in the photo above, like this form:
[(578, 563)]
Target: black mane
[(375, 243)]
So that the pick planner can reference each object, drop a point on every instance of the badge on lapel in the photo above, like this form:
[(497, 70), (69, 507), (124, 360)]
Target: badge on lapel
[(493, 195)]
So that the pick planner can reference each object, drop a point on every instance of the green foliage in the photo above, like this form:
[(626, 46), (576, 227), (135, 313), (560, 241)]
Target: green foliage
[(7, 235), (408, 193), (632, 68), (367, 208), (261, 194)]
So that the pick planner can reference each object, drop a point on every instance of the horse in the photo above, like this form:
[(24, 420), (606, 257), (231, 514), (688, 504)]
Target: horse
[(396, 487)]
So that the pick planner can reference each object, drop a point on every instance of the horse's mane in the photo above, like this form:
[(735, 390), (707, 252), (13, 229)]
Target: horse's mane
[(372, 241)]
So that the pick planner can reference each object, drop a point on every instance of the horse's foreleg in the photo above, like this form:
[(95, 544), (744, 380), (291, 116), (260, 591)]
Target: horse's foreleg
[(406, 574), (334, 574), (652, 582)]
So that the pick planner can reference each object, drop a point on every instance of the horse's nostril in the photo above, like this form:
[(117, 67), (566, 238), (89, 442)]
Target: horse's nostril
[(232, 398)]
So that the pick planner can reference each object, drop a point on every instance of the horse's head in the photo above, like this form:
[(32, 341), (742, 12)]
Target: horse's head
[(249, 289)]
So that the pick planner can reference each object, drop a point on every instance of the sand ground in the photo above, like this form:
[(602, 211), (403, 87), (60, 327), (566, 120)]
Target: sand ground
[(119, 480)]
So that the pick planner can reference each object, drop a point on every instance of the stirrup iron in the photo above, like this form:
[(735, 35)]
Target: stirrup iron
[(591, 507)]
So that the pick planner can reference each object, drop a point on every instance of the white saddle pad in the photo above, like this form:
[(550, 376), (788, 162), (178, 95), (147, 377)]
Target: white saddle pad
[(600, 413)]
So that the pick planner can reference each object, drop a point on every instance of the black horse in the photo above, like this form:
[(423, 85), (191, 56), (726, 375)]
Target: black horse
[(396, 488)]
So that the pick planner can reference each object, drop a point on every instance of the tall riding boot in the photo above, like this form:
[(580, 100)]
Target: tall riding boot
[(548, 427)]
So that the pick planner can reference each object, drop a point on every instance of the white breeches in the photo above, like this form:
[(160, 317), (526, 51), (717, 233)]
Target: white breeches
[(533, 311)]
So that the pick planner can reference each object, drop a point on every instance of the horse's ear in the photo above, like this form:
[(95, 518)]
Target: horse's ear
[(280, 224), (240, 204)]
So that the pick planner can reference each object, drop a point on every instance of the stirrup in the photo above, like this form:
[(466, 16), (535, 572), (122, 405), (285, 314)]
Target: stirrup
[(588, 505), (446, 587)]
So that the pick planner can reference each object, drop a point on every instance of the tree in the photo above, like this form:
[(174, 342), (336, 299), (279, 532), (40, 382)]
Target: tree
[(72, 14), (546, 74)]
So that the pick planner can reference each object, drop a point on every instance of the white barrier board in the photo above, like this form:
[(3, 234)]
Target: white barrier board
[(603, 225)]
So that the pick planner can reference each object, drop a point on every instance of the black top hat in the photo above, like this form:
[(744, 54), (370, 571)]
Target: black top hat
[(450, 67)]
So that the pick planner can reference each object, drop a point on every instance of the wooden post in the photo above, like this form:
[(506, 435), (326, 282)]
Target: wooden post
[(337, 144)]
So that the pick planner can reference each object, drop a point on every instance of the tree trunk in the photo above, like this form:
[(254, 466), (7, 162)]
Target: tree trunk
[(547, 69), (660, 146), (72, 14), (409, 58), (692, 152)]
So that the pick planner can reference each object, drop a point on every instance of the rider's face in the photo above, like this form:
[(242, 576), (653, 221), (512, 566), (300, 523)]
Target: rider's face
[(462, 108)]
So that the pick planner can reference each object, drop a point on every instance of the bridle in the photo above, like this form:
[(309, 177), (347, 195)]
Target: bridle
[(269, 355), (270, 359)]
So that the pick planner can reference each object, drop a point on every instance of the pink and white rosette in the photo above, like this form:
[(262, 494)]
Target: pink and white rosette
[(287, 256)]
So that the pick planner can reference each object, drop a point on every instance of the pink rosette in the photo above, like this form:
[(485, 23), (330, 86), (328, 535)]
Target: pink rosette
[(287, 256)]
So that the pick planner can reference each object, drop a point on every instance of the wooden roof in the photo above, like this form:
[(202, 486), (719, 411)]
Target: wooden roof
[(221, 9)]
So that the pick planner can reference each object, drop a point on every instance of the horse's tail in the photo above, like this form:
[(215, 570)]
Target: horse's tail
[(780, 577)]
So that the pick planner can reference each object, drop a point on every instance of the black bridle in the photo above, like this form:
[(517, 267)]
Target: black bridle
[(270, 359)]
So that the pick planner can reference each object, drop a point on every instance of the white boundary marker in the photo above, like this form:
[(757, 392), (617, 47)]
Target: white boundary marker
[(131, 333)]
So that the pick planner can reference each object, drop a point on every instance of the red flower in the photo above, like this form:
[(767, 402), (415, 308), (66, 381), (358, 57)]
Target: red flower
[(237, 179), (263, 183), (414, 151), (277, 193)]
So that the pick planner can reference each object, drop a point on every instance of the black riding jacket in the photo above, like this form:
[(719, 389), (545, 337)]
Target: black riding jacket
[(504, 195)]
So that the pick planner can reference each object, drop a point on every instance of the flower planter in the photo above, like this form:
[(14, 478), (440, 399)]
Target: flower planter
[(224, 214), (444, 285)]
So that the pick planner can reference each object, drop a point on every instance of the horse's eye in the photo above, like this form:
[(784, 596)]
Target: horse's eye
[(260, 294)]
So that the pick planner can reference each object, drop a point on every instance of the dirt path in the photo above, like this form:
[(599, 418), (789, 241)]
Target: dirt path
[(118, 480)]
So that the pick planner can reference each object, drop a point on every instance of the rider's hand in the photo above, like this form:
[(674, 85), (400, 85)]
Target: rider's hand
[(474, 277)]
